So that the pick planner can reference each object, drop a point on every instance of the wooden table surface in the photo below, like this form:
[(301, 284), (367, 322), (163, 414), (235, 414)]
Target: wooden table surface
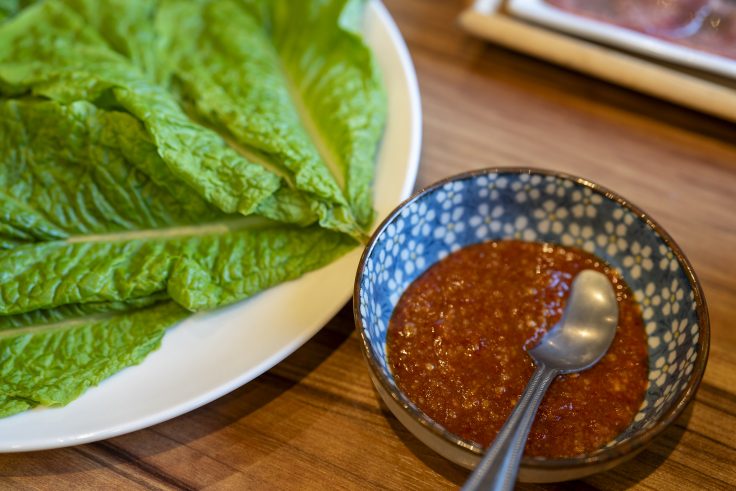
[(314, 421)]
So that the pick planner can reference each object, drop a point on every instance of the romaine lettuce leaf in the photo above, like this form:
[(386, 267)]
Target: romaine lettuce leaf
[(314, 101), (200, 267), (233, 77), (76, 311), (338, 85), (20, 223), (7, 8), (50, 51), (127, 27), (116, 227), (312, 116), (76, 170), (13, 405), (53, 364)]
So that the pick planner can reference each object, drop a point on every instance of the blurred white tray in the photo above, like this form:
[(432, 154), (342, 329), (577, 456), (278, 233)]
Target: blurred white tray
[(696, 89), (548, 15)]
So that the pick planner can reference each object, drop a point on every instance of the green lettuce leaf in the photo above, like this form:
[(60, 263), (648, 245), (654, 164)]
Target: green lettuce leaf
[(9, 8), (314, 99), (113, 232), (50, 51), (76, 170), (13, 405), (199, 267), (235, 82), (53, 364), (76, 311), (312, 116), (338, 86), (128, 27), (20, 223)]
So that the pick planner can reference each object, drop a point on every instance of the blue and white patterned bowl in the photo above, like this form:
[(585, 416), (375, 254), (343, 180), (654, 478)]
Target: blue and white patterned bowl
[(536, 205)]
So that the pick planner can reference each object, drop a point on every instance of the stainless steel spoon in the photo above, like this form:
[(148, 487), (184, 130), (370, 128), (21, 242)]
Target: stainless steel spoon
[(576, 343)]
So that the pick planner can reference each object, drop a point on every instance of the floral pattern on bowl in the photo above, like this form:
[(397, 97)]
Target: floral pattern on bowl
[(536, 205)]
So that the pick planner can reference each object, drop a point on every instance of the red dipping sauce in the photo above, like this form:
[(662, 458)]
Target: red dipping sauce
[(458, 337)]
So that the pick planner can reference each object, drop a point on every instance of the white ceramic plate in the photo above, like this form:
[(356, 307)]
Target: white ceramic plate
[(547, 15), (212, 354)]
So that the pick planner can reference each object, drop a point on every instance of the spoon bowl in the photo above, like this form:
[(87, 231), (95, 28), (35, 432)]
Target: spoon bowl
[(586, 329), (577, 342)]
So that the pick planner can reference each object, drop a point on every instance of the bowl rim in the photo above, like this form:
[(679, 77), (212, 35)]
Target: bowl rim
[(602, 455)]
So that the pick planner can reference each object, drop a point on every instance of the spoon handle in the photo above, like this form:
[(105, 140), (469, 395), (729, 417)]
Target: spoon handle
[(499, 466)]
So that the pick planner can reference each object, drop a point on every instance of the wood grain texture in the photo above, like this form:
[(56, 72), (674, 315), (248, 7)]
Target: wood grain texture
[(314, 421)]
